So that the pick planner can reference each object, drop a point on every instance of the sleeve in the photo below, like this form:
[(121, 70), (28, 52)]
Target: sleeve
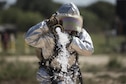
[(83, 44), (39, 35)]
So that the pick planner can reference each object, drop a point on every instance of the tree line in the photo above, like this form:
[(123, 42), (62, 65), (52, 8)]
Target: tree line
[(26, 13)]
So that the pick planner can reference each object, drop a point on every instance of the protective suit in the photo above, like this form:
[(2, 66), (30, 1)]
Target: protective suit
[(52, 48)]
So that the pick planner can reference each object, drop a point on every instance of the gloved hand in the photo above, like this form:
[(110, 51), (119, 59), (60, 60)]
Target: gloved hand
[(70, 40), (52, 21), (72, 33)]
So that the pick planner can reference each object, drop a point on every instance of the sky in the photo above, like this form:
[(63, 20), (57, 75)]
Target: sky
[(84, 2), (77, 2)]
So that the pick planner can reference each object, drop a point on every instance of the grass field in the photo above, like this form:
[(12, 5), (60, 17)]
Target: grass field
[(22, 69), (102, 45), (107, 45), (113, 72)]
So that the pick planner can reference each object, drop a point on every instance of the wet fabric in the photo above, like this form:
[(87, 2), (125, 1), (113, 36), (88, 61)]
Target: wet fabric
[(46, 76), (51, 49)]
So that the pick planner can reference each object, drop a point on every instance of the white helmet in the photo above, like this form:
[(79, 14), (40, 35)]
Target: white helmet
[(70, 17), (69, 8)]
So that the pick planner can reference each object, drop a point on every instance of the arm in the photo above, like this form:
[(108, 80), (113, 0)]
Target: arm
[(82, 45), (39, 35)]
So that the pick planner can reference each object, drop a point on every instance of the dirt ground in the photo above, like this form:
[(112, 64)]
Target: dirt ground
[(92, 60), (92, 77)]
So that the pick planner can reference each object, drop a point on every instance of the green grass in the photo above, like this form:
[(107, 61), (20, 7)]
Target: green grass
[(122, 79), (13, 72), (20, 47), (114, 63), (104, 46), (25, 73), (101, 45), (92, 68)]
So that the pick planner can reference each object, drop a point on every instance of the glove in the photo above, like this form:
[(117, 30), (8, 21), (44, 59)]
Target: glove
[(73, 33), (52, 21), (70, 40)]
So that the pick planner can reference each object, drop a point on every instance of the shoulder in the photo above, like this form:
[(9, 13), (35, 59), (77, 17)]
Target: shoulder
[(84, 31), (40, 24)]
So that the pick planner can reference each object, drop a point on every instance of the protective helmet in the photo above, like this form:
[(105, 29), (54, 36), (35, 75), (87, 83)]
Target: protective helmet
[(70, 17)]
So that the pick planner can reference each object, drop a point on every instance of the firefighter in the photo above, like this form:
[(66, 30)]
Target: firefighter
[(45, 36)]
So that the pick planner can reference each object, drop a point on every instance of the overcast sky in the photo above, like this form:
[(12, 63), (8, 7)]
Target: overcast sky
[(77, 2), (84, 2)]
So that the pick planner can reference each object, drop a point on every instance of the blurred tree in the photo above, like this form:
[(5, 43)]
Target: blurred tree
[(22, 19), (26, 13), (45, 7), (9, 15), (91, 21), (28, 19), (121, 17), (104, 10), (2, 4)]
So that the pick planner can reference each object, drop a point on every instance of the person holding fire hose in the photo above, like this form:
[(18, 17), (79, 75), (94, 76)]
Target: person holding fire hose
[(59, 41)]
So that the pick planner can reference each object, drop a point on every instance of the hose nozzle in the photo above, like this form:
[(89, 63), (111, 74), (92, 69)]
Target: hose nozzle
[(57, 26)]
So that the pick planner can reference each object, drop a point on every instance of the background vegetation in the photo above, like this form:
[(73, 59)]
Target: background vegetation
[(25, 13), (98, 21)]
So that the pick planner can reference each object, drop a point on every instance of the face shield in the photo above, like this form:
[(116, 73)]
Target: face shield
[(70, 17), (71, 22)]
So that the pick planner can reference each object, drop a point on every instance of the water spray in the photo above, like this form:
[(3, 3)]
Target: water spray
[(63, 55)]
